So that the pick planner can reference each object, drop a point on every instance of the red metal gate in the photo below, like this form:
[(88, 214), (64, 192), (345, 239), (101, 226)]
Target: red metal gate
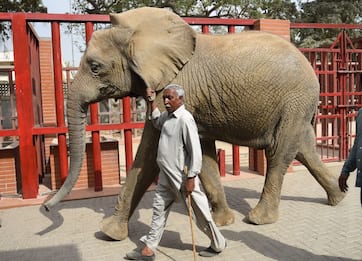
[(339, 71)]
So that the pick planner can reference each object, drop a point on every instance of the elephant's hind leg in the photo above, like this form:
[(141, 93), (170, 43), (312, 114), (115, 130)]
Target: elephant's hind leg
[(279, 155), (210, 179), (267, 209), (309, 157)]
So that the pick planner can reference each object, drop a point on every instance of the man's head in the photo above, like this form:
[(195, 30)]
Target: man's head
[(173, 97)]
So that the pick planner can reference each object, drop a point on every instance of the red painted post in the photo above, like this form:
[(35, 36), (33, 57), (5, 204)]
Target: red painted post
[(236, 160), (221, 160), (12, 94), (205, 29), (24, 106), (59, 100), (96, 145), (344, 81), (231, 29), (126, 102)]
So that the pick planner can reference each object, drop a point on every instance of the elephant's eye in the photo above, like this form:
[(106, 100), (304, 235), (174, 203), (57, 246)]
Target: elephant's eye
[(95, 67)]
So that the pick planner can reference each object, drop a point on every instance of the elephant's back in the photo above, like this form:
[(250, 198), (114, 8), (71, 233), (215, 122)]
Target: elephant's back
[(256, 63), (251, 65), (247, 80), (251, 50)]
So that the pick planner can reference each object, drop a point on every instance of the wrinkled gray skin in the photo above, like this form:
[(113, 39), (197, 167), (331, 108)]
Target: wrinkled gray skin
[(252, 89)]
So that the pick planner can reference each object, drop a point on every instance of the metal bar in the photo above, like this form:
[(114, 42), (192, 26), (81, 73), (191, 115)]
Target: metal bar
[(12, 99), (9, 133), (205, 29), (236, 160), (231, 29), (126, 103), (343, 81), (59, 100), (218, 21), (49, 130), (94, 127), (324, 26), (221, 161), (313, 50), (116, 126), (24, 105), (96, 143), (43, 17), (349, 71)]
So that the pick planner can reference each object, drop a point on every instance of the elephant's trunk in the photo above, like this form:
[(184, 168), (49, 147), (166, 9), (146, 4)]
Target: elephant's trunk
[(77, 115)]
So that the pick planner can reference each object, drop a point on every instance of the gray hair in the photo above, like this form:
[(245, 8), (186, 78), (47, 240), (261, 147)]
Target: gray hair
[(178, 88)]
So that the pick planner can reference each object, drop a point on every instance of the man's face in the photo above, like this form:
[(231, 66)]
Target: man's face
[(171, 101)]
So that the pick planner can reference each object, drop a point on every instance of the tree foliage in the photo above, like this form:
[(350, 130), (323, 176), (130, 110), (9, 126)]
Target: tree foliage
[(33, 6), (327, 11), (283, 9), (317, 11)]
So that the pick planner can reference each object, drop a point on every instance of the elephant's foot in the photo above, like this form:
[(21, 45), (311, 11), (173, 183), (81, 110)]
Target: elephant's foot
[(262, 214), (335, 197), (223, 217), (114, 228)]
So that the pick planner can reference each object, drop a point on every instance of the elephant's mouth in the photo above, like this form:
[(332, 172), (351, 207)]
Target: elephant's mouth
[(110, 91), (133, 95)]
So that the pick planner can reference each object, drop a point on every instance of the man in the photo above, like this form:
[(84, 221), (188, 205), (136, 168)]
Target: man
[(179, 147), (354, 159)]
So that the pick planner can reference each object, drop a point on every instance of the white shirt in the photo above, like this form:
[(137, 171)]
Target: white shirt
[(179, 143)]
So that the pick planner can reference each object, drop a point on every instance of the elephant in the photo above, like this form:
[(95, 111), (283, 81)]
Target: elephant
[(251, 88)]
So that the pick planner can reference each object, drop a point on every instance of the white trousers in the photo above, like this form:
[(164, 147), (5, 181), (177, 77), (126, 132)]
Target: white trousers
[(166, 194)]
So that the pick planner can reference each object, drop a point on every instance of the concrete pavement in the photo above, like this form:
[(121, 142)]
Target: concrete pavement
[(307, 229)]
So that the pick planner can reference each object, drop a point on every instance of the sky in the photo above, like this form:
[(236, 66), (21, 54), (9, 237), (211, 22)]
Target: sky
[(70, 53), (58, 7)]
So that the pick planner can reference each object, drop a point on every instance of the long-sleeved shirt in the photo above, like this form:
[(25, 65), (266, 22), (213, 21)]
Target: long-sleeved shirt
[(354, 160), (179, 143)]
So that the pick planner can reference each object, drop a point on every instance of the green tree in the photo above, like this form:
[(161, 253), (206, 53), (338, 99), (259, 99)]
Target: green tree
[(310, 11), (32, 6), (327, 11), (283, 9)]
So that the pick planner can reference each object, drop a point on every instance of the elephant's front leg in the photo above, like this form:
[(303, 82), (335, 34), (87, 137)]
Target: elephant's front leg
[(143, 172), (210, 178)]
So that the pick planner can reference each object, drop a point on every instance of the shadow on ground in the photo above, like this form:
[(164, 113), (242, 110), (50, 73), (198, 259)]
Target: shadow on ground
[(238, 204), (252, 240), (62, 252)]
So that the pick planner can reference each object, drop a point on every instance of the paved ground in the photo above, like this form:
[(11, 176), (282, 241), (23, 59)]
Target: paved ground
[(308, 229)]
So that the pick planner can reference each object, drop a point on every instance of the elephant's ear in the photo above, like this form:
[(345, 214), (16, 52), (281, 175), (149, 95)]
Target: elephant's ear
[(161, 43)]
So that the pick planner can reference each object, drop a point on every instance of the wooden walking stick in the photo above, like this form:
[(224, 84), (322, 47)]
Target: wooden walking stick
[(191, 223)]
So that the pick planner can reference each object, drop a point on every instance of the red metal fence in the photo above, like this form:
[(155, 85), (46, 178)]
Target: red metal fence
[(338, 68)]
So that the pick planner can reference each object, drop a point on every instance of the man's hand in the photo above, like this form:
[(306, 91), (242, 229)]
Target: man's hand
[(342, 182), (150, 95), (189, 185)]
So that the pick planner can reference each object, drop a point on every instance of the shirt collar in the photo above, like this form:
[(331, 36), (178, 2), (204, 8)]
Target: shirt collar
[(179, 111)]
